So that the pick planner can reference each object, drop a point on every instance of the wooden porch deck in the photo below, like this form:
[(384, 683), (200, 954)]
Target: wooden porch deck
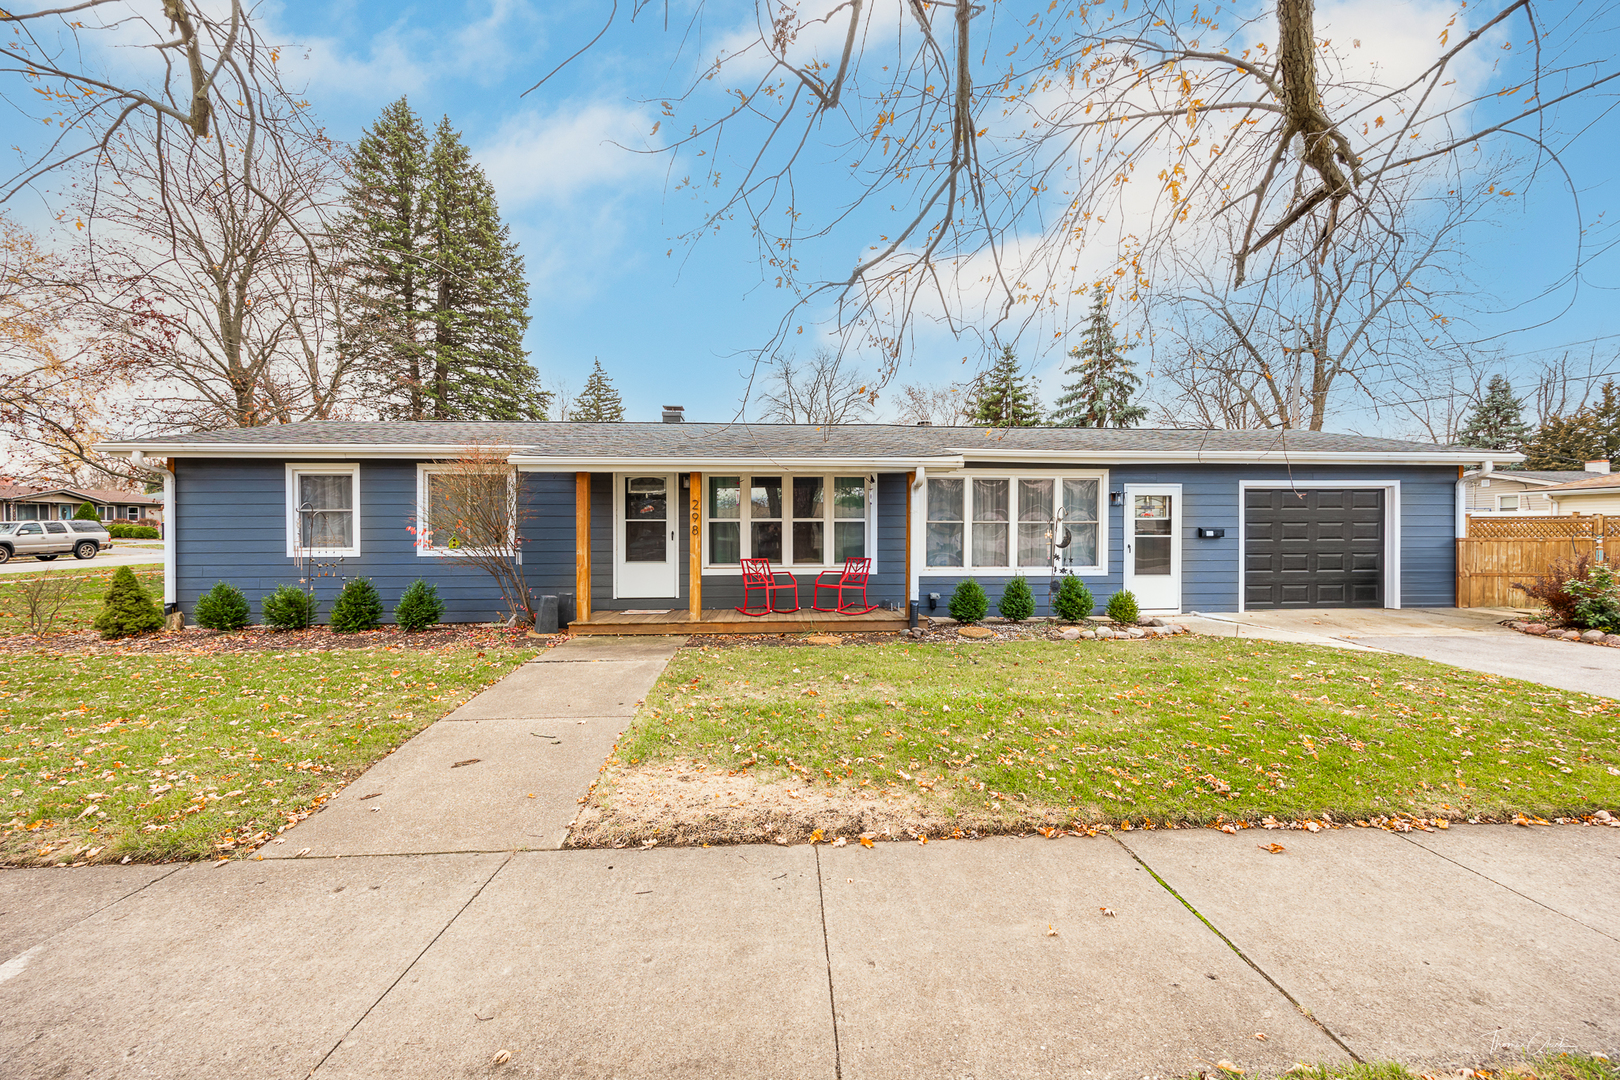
[(730, 621)]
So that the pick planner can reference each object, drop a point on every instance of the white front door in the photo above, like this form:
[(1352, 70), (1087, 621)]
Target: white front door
[(1153, 545), (644, 536)]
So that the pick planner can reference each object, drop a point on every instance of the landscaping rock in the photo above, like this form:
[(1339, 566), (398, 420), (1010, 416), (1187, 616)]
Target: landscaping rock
[(1593, 635), (1136, 632), (1611, 639), (1088, 635), (1103, 633), (1571, 635), (975, 632), (1535, 628), (1071, 633), (1176, 628)]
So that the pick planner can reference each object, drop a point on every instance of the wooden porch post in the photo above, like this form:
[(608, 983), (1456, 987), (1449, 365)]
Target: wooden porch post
[(694, 556), (582, 547)]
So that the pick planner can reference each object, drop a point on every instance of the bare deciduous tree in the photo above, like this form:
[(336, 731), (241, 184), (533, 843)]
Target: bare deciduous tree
[(922, 403), (822, 392), (472, 511)]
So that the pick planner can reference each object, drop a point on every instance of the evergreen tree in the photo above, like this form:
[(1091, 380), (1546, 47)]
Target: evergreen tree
[(1590, 433), (1002, 397), (1101, 394), (598, 402), (127, 610), (1497, 421), (86, 512), (439, 306)]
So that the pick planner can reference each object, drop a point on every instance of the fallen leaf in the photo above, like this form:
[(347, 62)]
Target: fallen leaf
[(840, 842), (1230, 830), (373, 795), (1275, 849), (502, 1058), (1108, 911), (1051, 931), (469, 761), (922, 838), (1228, 1067), (301, 853), (1260, 1035), (815, 836), (866, 841)]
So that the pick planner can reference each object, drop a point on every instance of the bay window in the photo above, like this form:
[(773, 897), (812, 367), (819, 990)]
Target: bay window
[(1012, 523), (801, 521)]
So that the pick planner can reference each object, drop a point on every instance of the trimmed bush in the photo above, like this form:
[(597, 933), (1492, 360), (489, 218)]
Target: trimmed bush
[(86, 512), (1074, 601), (289, 608), (968, 602), (125, 531), (1122, 608), (127, 610), (1017, 602), (358, 607), (419, 606), (222, 608)]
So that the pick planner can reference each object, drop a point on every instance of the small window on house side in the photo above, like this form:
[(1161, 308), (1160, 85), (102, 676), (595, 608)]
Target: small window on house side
[(1507, 503), (323, 510)]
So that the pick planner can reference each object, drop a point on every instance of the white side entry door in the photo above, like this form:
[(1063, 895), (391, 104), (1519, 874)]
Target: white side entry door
[(1153, 546), (644, 548)]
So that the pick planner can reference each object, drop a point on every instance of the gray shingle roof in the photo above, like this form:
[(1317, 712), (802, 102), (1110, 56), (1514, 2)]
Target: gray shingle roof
[(878, 441)]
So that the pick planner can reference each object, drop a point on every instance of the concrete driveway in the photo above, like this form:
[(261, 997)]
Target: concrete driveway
[(1469, 638)]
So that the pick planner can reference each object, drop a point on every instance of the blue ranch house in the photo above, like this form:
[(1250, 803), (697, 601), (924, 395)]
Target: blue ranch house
[(641, 527)]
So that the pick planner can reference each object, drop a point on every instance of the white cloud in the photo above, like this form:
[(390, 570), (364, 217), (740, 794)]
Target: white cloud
[(553, 156)]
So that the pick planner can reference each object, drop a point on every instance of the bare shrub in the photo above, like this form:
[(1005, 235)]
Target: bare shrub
[(43, 596), (471, 513)]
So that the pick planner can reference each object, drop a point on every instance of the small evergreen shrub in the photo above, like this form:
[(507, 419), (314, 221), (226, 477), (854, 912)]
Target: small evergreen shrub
[(289, 608), (1074, 601), (968, 602), (222, 608), (127, 610), (358, 607), (126, 531), (419, 607), (1597, 600), (1122, 608), (1017, 602), (86, 512)]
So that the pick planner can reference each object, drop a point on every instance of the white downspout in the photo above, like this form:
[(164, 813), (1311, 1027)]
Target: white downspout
[(1461, 502), (919, 515), (171, 587)]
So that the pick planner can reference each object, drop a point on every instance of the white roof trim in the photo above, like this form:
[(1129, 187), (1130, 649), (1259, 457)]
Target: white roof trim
[(1242, 457), (624, 462)]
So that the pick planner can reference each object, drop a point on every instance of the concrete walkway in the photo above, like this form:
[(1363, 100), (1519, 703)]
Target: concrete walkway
[(504, 772), (971, 958)]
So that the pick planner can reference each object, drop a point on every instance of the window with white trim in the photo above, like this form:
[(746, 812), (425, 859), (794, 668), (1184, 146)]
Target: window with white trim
[(323, 510), (459, 511), (1507, 504), (1015, 523), (807, 521)]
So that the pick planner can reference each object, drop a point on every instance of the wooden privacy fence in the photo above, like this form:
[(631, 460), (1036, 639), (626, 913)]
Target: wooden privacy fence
[(1499, 551)]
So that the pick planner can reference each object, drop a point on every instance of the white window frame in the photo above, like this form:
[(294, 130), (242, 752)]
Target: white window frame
[(423, 523), (1099, 569), (316, 468), (1517, 497), (868, 529)]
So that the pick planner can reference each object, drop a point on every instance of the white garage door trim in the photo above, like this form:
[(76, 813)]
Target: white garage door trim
[(1392, 528)]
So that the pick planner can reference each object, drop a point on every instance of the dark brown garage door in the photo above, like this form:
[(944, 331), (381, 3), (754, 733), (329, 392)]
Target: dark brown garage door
[(1313, 547)]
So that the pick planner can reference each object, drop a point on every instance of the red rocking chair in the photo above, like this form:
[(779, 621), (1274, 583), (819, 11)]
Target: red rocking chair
[(759, 577), (851, 579)]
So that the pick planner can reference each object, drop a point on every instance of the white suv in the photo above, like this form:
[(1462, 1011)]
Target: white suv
[(45, 540)]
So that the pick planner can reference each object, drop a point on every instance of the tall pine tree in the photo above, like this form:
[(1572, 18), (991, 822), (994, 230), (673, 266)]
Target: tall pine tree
[(599, 402), (1590, 433), (1497, 420), (1002, 397), (440, 303), (1101, 395)]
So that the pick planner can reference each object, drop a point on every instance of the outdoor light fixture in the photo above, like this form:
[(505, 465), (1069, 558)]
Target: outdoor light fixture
[(1211, 534), (1116, 498)]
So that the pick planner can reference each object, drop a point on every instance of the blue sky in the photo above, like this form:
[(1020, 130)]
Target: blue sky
[(597, 223)]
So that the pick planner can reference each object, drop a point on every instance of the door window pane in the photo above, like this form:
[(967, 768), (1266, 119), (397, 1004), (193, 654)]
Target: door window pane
[(646, 513), (990, 514), (1034, 522), (943, 539), (809, 508), (1151, 525), (1080, 521), (326, 510)]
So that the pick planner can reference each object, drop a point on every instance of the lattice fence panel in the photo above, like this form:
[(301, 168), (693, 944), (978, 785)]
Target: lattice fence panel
[(1585, 527)]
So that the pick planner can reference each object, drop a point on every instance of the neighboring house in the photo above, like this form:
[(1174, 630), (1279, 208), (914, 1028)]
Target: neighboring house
[(59, 504), (1519, 491), (655, 517), (1590, 495)]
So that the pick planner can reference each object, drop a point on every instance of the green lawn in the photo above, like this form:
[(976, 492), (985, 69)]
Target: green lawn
[(1539, 1067), (181, 756), (1182, 730), (89, 583)]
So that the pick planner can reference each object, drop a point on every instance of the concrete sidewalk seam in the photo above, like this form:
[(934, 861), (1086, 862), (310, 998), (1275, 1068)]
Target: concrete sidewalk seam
[(1241, 955), (826, 948), (114, 903), (407, 969), (1509, 888)]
